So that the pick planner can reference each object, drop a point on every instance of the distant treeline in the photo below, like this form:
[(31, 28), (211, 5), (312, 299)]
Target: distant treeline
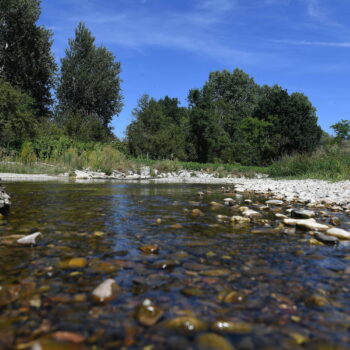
[(231, 119)]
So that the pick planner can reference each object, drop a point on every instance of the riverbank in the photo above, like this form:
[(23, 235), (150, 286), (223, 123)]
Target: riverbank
[(304, 191)]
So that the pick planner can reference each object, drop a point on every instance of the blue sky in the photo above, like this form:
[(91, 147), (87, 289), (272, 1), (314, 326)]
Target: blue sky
[(167, 47)]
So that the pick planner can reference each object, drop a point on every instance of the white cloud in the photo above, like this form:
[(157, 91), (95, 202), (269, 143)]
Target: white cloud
[(314, 43)]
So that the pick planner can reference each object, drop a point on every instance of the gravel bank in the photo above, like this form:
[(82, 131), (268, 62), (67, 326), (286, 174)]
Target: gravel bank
[(312, 191)]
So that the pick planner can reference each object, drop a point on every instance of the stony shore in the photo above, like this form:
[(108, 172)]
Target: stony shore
[(306, 191)]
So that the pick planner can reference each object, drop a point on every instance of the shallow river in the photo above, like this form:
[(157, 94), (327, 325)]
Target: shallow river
[(186, 280)]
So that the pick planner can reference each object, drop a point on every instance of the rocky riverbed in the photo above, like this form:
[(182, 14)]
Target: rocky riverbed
[(159, 266), (304, 191)]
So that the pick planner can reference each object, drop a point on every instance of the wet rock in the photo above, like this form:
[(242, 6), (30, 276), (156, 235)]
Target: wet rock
[(309, 224), (280, 216), (167, 264), (68, 337), (30, 239), (316, 300), (148, 314), (231, 327), (74, 263), (239, 220), (339, 233), (212, 341), (274, 202), (231, 296), (334, 220), (106, 291), (185, 324), (149, 249), (5, 202), (330, 240), (216, 205), (9, 294), (249, 213), (222, 218), (104, 267), (216, 272), (302, 214), (176, 226), (229, 202), (197, 212)]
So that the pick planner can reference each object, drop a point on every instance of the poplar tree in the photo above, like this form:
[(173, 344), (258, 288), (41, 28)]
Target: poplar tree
[(89, 91)]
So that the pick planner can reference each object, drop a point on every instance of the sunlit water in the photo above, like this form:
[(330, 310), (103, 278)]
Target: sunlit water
[(286, 293)]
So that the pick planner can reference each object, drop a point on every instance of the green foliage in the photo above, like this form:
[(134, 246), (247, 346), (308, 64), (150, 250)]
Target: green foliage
[(342, 130), (27, 155), (89, 90), (17, 116), (159, 129), (253, 144), (331, 162), (26, 60)]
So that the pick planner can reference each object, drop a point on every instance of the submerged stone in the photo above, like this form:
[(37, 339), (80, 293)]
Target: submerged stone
[(212, 341), (185, 324), (149, 249), (231, 327), (339, 233), (326, 239), (106, 291), (302, 214), (148, 314)]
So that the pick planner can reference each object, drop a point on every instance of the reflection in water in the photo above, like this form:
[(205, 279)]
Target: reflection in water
[(254, 291)]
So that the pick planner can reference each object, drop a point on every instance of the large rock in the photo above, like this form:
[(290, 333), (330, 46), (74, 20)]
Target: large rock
[(4, 200)]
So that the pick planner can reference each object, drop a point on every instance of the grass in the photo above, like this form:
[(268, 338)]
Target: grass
[(330, 162)]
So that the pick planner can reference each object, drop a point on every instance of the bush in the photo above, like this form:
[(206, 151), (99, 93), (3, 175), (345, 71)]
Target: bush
[(331, 162), (27, 155)]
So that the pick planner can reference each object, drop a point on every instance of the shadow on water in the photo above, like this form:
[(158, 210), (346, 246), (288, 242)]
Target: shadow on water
[(247, 286)]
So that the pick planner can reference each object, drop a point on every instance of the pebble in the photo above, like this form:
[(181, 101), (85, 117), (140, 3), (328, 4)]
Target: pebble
[(331, 240), (239, 219), (302, 214), (106, 291), (274, 202), (339, 233), (149, 249), (148, 314), (229, 202), (197, 212), (30, 239), (231, 327), (212, 341), (309, 224), (186, 324)]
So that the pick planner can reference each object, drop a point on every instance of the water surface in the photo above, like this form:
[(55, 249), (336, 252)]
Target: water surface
[(276, 291)]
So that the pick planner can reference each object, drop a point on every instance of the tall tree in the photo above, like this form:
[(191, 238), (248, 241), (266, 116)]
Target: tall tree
[(293, 121), (89, 84), (26, 60), (159, 129), (342, 130)]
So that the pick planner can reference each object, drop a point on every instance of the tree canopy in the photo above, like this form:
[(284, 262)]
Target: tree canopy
[(26, 60), (89, 91), (229, 119)]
